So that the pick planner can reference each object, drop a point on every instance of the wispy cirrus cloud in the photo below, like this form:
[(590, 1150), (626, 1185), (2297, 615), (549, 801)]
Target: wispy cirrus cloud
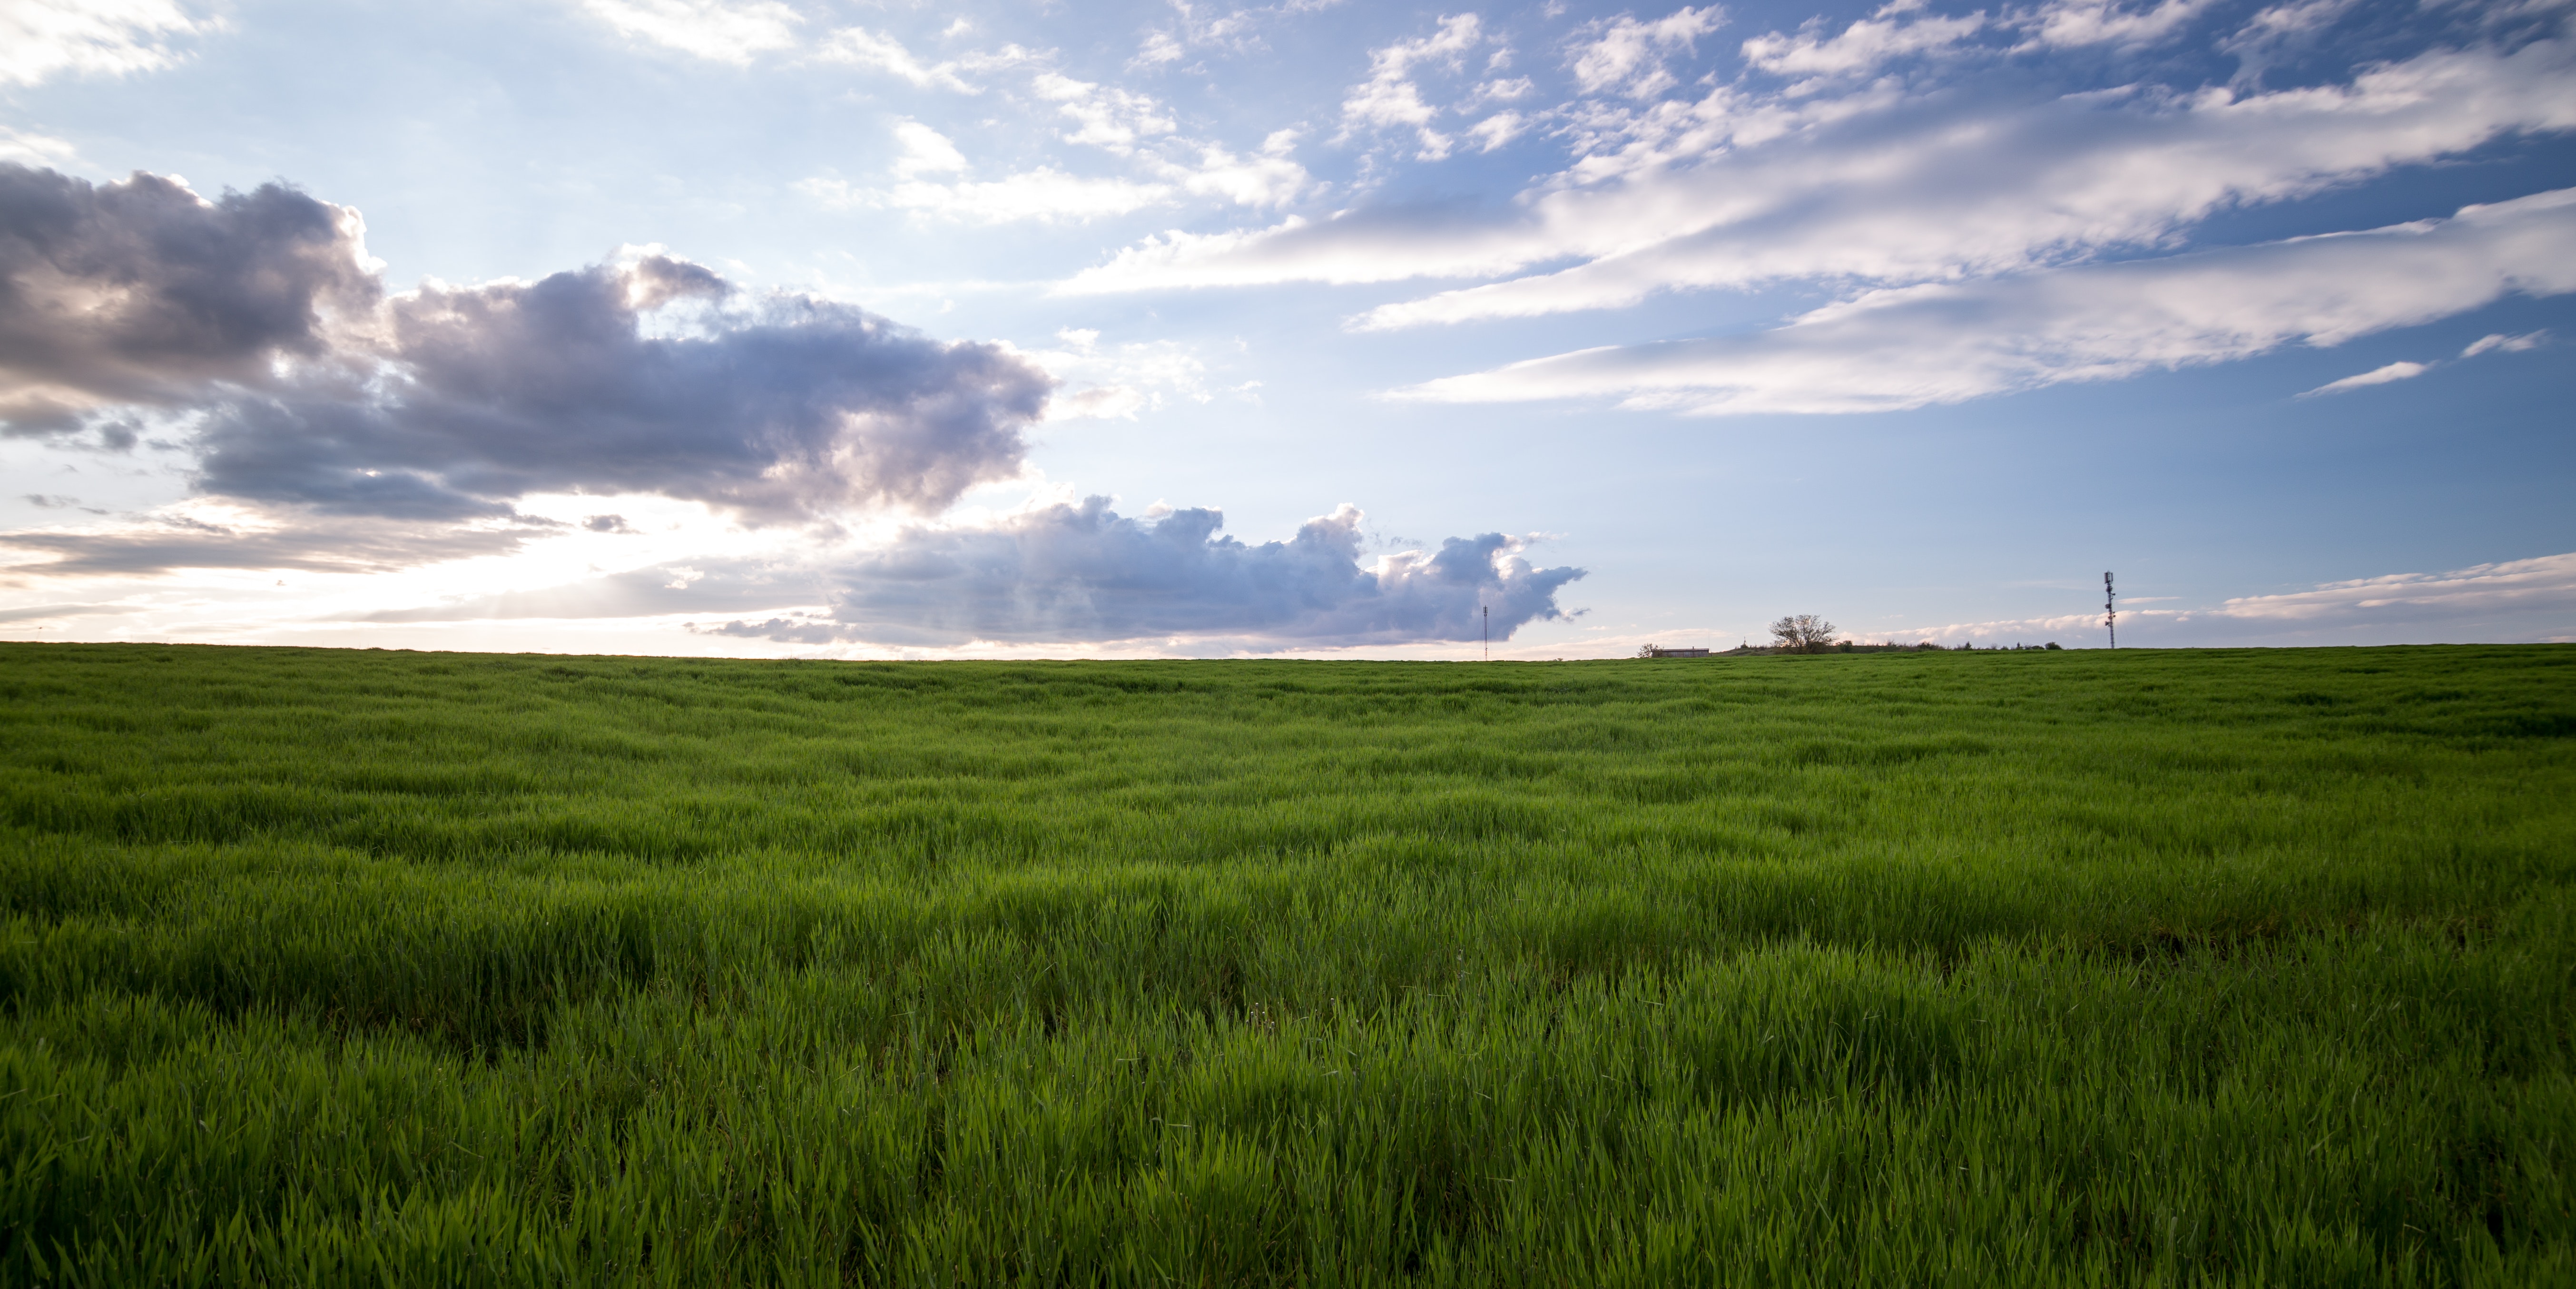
[(1877, 180), (860, 47), (2382, 375), (1916, 346), (2075, 24), (42, 39), (740, 32), (932, 175), (2409, 370), (238, 537), (1894, 32), (2526, 599), (723, 31)]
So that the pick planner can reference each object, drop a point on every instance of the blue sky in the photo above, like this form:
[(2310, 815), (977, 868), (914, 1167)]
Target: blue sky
[(792, 328)]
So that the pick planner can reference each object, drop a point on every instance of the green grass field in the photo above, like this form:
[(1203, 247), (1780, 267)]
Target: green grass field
[(1894, 969)]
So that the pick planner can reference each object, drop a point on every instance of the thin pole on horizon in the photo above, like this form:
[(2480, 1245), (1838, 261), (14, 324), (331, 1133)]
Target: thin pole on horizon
[(1488, 611), (2110, 616)]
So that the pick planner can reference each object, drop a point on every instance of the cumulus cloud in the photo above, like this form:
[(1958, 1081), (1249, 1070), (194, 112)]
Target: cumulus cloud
[(1083, 572), (1879, 184), (724, 31), (40, 39), (782, 407), (258, 324), (1913, 346), (143, 292)]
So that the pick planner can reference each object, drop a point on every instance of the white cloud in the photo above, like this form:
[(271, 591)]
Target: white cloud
[(2498, 342), (1096, 403), (1389, 98), (2546, 582), (2498, 601), (2280, 31), (1880, 185), (1045, 195), (711, 29), (1496, 130), (1143, 129), (1622, 55), (35, 149), (1954, 193), (1914, 346), (2066, 24), (924, 151), (1159, 48), (2505, 343), (1098, 382), (2375, 376), (859, 47), (42, 38), (1366, 252), (1270, 177), (1863, 47), (1111, 119), (1235, 31)]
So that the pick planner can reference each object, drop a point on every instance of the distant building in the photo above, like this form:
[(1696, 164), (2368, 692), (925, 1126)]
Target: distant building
[(1658, 651)]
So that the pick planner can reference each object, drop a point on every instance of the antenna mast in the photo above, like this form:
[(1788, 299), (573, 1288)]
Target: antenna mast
[(1488, 611), (2110, 616)]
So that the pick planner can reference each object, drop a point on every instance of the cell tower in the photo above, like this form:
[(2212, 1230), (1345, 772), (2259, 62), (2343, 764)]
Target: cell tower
[(2110, 615), (1488, 611)]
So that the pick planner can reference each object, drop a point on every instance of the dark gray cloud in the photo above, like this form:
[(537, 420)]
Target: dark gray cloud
[(144, 292), (646, 375), (786, 407), (1085, 573)]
